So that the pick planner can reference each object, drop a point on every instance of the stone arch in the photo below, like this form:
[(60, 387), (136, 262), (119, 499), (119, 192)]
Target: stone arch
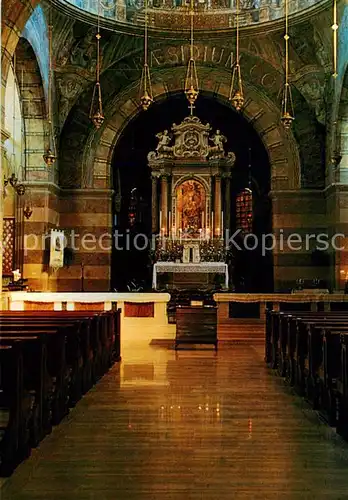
[(259, 110), (342, 124), (187, 177), (13, 20), (33, 110)]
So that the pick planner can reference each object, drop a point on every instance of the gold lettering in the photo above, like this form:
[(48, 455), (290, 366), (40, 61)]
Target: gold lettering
[(268, 80), (252, 71), (213, 56), (182, 54), (229, 62), (173, 55), (156, 57)]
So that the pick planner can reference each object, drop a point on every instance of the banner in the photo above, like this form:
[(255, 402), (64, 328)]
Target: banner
[(57, 249)]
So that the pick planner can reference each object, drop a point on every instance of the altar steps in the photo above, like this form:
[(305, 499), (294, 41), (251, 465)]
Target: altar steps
[(241, 329)]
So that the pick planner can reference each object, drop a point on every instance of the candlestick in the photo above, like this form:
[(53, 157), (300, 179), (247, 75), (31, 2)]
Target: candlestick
[(212, 224), (222, 223), (160, 221)]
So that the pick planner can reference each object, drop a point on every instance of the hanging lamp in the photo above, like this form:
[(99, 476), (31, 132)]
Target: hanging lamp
[(191, 80), (236, 88), (50, 153), (146, 98), (96, 111), (334, 28), (287, 116)]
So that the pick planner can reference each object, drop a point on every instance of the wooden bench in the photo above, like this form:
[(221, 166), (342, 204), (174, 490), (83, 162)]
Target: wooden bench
[(58, 356), (309, 349)]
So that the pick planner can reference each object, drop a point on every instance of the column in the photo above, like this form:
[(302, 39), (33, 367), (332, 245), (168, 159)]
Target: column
[(164, 203), (227, 211), (154, 202), (217, 207)]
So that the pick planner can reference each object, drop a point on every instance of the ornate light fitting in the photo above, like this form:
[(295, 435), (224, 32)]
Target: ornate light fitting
[(287, 105), (191, 80), (236, 88), (334, 28), (146, 98), (96, 111), (49, 155)]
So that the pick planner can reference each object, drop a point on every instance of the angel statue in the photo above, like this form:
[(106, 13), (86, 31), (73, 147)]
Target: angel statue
[(218, 139), (164, 140)]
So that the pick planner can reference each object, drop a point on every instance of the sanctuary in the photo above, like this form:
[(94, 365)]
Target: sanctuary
[(192, 212)]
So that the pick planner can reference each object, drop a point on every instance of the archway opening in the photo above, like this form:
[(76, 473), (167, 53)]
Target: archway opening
[(251, 271)]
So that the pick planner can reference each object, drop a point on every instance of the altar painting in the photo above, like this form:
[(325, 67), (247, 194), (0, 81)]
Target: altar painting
[(191, 202)]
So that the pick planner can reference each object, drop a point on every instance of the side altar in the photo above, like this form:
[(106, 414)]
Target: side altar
[(191, 174)]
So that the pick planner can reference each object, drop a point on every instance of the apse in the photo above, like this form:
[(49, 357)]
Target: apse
[(132, 185)]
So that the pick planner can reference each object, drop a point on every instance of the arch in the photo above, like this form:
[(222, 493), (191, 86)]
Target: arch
[(33, 111), (259, 110), (342, 123)]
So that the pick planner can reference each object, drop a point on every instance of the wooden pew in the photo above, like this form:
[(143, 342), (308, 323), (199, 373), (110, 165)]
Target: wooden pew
[(310, 349), (13, 445), (57, 356)]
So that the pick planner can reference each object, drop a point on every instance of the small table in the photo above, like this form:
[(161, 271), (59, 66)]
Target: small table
[(201, 267)]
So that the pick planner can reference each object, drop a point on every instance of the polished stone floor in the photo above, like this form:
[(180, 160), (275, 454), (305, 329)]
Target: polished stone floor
[(192, 425)]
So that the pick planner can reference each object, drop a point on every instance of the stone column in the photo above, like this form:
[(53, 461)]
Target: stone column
[(217, 207), (227, 210), (154, 202), (164, 204)]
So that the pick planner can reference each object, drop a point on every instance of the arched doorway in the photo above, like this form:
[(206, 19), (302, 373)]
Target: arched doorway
[(132, 181)]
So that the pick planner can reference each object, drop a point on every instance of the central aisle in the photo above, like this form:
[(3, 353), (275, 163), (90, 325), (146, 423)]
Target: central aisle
[(191, 425)]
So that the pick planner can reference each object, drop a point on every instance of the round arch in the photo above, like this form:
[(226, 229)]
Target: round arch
[(259, 110)]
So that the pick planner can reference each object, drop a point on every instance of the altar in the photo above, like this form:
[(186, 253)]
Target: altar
[(191, 202), (202, 267)]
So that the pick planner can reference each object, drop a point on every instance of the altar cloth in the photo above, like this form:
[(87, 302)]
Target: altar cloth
[(201, 267)]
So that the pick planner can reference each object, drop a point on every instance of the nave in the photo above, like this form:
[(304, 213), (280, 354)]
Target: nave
[(186, 425)]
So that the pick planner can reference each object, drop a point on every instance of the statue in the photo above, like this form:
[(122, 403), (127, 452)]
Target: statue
[(164, 139), (218, 140)]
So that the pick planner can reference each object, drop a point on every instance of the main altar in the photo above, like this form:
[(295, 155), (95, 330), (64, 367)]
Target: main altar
[(191, 175)]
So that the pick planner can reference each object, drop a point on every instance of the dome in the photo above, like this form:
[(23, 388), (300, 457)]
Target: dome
[(217, 15)]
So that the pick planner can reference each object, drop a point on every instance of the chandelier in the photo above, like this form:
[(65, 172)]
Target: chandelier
[(96, 110), (50, 155), (146, 98), (191, 80), (236, 88), (287, 116)]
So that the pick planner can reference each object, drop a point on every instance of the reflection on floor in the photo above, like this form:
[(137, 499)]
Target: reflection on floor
[(192, 425)]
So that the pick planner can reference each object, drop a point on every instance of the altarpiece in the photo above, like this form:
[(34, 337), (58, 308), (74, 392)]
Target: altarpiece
[(192, 210)]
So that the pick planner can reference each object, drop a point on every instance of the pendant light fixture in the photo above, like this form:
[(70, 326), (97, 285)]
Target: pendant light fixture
[(287, 116), (146, 98), (50, 153), (334, 28), (191, 80), (96, 110), (236, 88)]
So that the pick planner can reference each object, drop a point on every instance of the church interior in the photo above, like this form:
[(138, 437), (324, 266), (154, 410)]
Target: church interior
[(174, 259)]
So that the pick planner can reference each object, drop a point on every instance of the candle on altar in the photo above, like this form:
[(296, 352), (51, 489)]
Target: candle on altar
[(212, 223), (222, 223), (160, 221)]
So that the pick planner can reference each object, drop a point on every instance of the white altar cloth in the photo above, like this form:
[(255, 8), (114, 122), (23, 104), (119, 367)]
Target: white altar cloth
[(201, 267)]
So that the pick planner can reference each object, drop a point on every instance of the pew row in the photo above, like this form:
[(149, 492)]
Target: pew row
[(48, 361), (309, 349)]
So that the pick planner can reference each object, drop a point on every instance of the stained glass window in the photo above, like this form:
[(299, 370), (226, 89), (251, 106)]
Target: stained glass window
[(244, 211)]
